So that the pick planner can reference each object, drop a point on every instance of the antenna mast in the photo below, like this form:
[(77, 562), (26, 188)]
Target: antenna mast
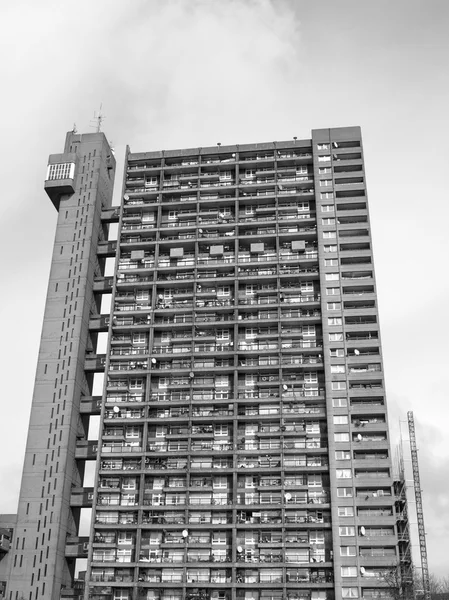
[(419, 506), (98, 119)]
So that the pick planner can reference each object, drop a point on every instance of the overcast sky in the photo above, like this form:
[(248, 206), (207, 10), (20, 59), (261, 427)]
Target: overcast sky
[(181, 73)]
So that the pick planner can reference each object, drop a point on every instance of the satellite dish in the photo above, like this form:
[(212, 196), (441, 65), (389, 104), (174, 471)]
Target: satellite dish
[(239, 549), (362, 530), (288, 496), (356, 352), (160, 296), (153, 361), (191, 374), (126, 197), (362, 570), (184, 533), (233, 155), (116, 409), (285, 386), (200, 231), (359, 437)]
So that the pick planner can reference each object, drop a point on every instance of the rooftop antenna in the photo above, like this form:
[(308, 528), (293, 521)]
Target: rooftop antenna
[(98, 119)]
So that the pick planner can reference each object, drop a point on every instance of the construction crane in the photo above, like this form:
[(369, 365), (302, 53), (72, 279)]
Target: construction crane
[(419, 506)]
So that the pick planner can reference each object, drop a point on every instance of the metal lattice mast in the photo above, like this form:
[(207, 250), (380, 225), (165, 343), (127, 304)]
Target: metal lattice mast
[(419, 507)]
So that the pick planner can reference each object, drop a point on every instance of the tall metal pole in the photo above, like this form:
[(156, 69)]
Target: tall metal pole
[(419, 507)]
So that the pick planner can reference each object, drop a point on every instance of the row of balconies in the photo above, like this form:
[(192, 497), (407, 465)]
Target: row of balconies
[(173, 164), (302, 576), (253, 177), (207, 463), (262, 361), (206, 556), (248, 189), (203, 317), (252, 519), (205, 259), (223, 231)]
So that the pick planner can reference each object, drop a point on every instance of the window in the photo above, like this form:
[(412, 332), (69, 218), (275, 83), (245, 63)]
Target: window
[(323, 170), (250, 173), (337, 353), (327, 195), (323, 146), (343, 474), (327, 207), (222, 334), (345, 511), (315, 481), (324, 158), (316, 537), (251, 333), (308, 331), (349, 592), (219, 537), (338, 385), (330, 262), (327, 235), (337, 368), (346, 531), (344, 492), (222, 381), (335, 337), (135, 384), (349, 571), (341, 437), (250, 379), (220, 483), (333, 291), (334, 321), (250, 289), (224, 291), (60, 171), (311, 377), (332, 277), (342, 455), (334, 306), (328, 248), (325, 182), (139, 338), (172, 214), (341, 420), (306, 287), (221, 430), (339, 402)]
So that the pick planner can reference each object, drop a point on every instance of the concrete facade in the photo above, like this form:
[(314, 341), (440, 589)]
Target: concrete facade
[(243, 450), (46, 520)]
